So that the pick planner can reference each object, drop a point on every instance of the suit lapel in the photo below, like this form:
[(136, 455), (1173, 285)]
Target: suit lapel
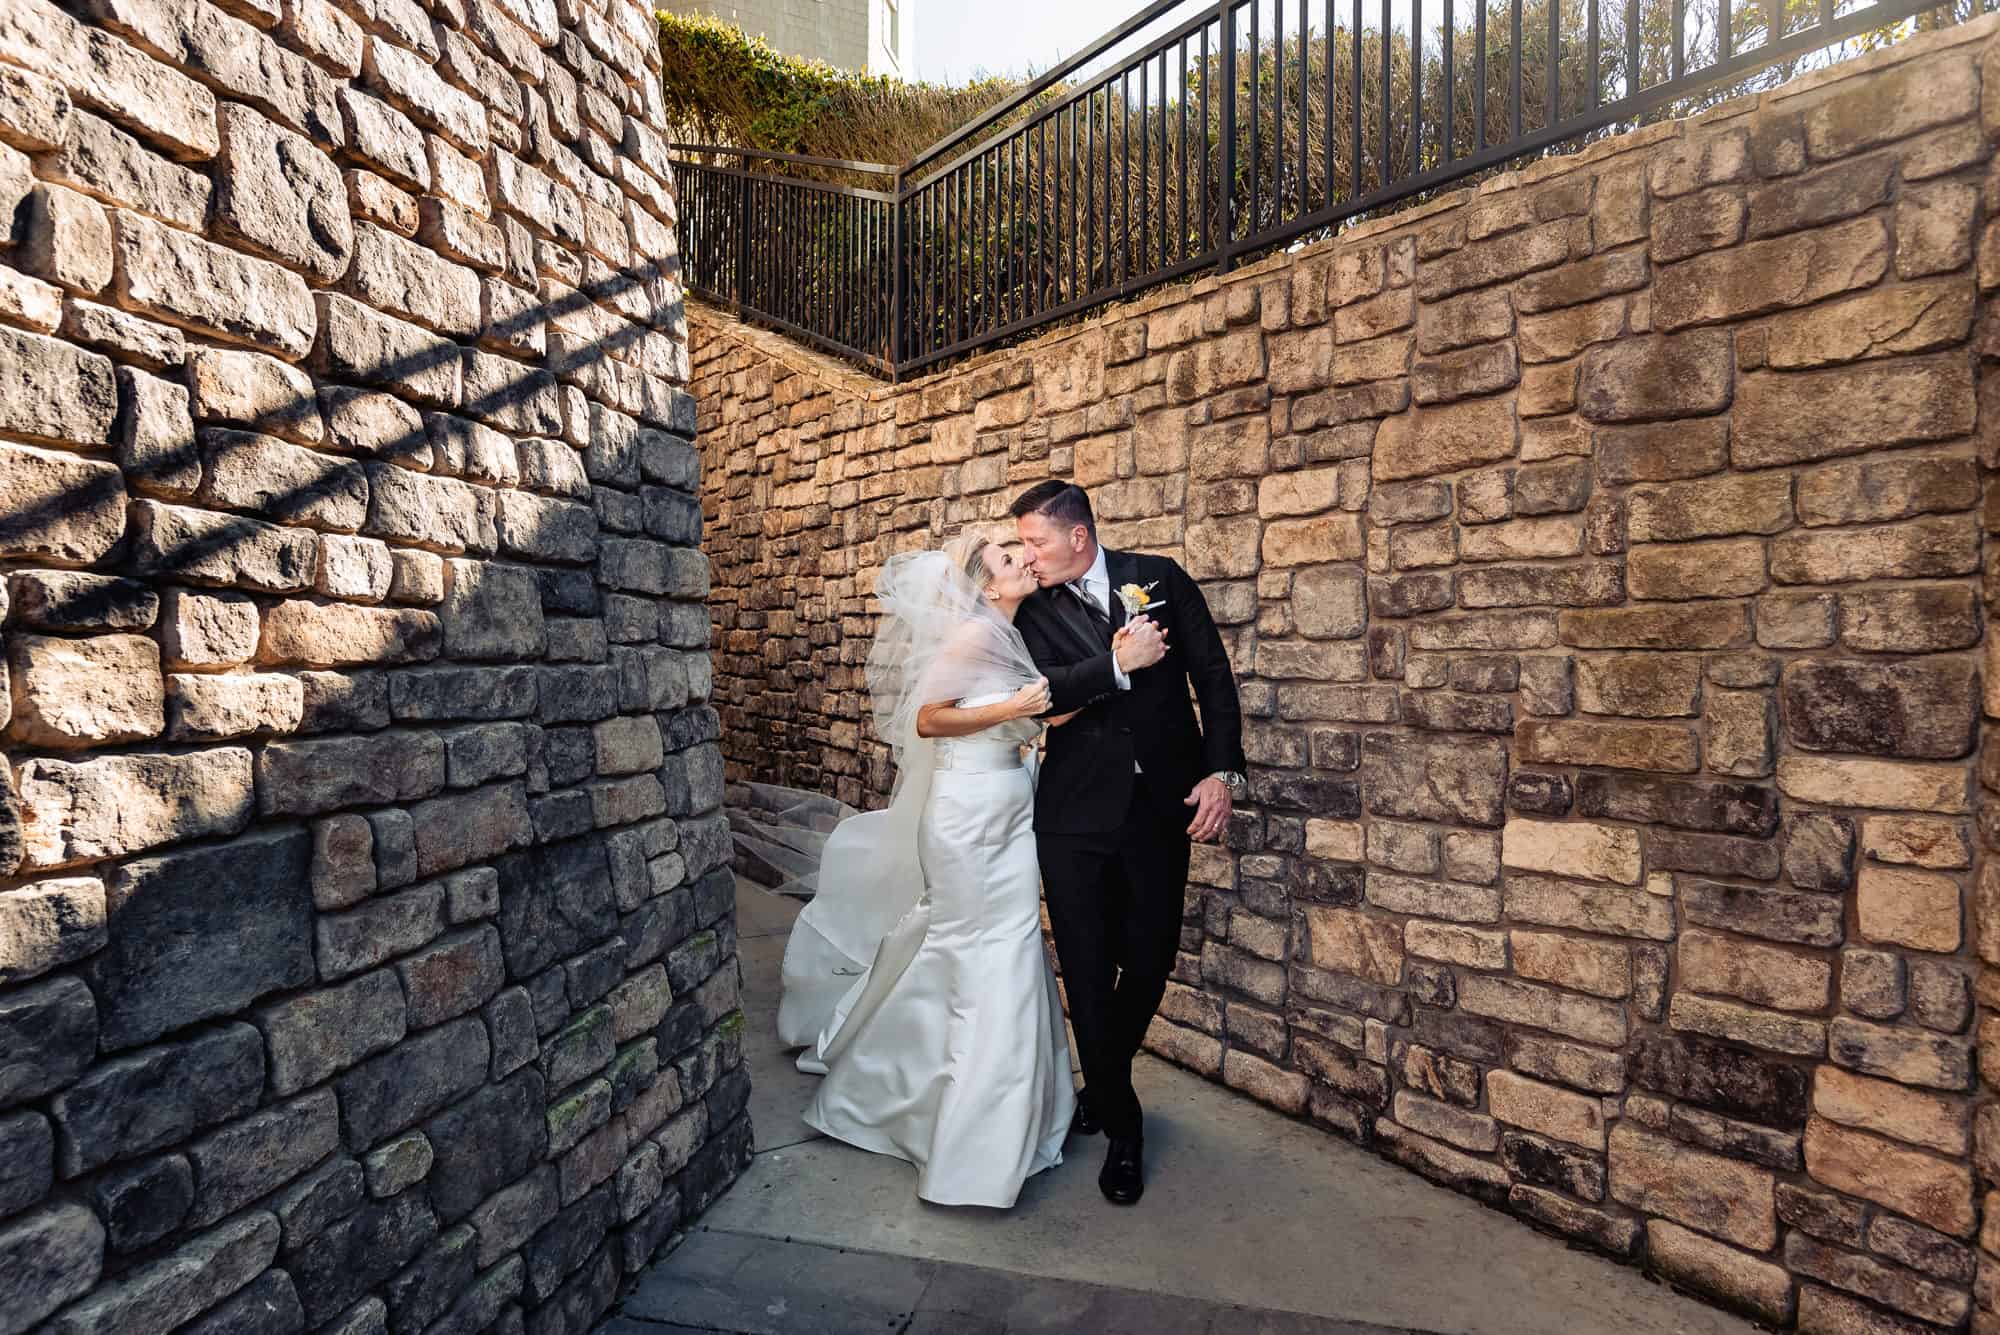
[(1073, 619), (1119, 569)]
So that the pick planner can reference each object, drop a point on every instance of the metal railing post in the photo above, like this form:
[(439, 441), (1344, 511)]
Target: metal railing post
[(898, 277), (1228, 229), (743, 242)]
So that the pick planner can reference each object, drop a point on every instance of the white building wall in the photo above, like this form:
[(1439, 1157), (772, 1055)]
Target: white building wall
[(852, 34)]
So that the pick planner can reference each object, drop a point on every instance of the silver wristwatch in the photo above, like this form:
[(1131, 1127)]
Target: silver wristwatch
[(1231, 780)]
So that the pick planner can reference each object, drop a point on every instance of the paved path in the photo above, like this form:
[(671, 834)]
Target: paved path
[(1252, 1222)]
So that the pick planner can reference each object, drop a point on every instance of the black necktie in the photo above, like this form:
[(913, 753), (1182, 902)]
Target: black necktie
[(1099, 618)]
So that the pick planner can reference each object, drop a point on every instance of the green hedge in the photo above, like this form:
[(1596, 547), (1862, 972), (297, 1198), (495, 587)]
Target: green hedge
[(723, 86)]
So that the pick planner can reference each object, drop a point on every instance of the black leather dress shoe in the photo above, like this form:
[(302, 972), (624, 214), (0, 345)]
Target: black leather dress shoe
[(1081, 1123), (1123, 1180)]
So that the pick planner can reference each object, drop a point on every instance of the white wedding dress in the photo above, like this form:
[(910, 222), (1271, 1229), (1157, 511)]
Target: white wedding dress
[(949, 1049)]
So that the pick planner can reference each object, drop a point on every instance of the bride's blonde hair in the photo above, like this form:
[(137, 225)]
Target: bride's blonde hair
[(968, 552)]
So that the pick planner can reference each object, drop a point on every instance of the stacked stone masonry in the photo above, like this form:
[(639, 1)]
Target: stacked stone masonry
[(367, 959), (1604, 557)]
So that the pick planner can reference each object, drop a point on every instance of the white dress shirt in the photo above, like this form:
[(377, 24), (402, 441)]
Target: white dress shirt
[(1095, 584)]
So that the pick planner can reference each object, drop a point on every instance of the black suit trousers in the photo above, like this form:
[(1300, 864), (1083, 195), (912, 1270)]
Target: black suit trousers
[(1115, 902)]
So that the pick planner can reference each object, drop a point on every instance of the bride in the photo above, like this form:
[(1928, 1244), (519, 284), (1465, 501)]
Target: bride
[(916, 979)]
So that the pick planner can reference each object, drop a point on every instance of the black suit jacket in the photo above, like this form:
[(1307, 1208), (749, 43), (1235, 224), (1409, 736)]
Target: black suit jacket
[(1086, 782)]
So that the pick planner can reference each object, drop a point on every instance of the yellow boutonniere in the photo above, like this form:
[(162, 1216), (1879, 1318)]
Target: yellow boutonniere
[(1138, 597)]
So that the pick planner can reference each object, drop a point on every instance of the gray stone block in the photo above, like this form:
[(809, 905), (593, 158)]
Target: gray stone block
[(158, 1096), (247, 1159), (143, 1202), (169, 1292), (356, 1254), (394, 1091), (161, 969), (47, 1258)]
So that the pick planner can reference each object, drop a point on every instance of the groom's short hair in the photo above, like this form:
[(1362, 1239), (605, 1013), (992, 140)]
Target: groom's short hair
[(1063, 502)]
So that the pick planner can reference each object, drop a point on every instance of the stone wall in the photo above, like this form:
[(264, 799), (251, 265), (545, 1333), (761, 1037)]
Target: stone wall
[(1601, 555), (366, 955)]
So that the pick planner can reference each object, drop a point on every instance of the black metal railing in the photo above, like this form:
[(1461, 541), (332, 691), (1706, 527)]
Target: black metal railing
[(1243, 128)]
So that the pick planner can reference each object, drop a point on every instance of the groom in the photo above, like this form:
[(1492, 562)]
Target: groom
[(1127, 783)]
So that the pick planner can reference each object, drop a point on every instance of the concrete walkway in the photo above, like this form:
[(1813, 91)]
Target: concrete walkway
[(1251, 1222)]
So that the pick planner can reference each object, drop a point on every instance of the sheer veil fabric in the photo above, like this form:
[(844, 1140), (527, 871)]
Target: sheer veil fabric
[(939, 639)]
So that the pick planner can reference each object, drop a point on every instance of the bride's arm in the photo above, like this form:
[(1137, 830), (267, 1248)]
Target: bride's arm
[(945, 718)]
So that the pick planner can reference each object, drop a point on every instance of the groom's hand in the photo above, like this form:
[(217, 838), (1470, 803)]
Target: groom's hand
[(1139, 644), (1210, 799)]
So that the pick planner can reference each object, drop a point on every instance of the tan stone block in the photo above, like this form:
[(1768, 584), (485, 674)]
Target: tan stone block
[(1747, 1024), (1909, 908), (1690, 225), (1302, 493), (1339, 840), (1707, 1266), (336, 634), (210, 707), (1710, 508), (1545, 1109), (1891, 104), (114, 805), (1356, 943), (1523, 539), (1373, 316), (85, 692), (1433, 899), (1585, 1018), (1896, 487), (1240, 447), (1547, 389), (1295, 542), (1890, 1109), (1720, 1197), (1757, 973), (49, 923), (1606, 909), (1645, 379), (1883, 784), (1915, 549), (1663, 452), (1473, 947), (1554, 438), (1476, 317), (1445, 439), (1916, 841), (1934, 227), (1423, 548), (1642, 746), (1787, 417), (184, 280), (1740, 726), (29, 302), (1639, 685), (1918, 317), (1763, 276), (1561, 334), (1929, 1190), (207, 631), (1728, 568), (1600, 968), (1443, 1121), (1572, 848), (56, 506), (1329, 602)]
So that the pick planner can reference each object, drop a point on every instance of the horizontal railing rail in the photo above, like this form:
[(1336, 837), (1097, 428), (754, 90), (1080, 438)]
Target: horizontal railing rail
[(1243, 128)]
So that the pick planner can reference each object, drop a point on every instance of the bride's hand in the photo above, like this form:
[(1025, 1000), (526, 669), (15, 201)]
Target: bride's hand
[(1030, 700)]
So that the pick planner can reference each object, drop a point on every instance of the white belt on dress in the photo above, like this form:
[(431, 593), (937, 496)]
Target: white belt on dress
[(983, 760)]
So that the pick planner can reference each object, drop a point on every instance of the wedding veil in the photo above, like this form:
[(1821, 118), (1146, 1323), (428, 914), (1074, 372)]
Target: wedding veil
[(939, 639)]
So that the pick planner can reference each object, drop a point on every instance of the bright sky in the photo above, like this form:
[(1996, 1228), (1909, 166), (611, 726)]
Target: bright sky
[(958, 40)]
